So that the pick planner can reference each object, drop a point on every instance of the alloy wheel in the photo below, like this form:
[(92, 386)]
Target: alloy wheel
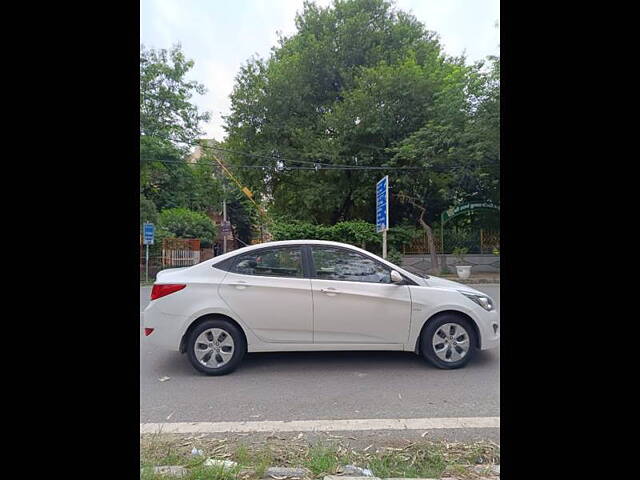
[(214, 347), (451, 342)]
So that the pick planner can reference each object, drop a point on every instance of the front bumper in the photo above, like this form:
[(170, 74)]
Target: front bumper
[(489, 326)]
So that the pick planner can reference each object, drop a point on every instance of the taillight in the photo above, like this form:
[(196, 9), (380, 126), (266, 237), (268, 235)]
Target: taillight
[(148, 331), (163, 290)]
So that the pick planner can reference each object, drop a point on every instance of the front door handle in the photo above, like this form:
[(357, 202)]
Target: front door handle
[(240, 284), (329, 291)]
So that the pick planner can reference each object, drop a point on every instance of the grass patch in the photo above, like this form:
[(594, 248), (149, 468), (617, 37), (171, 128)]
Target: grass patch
[(426, 462), (196, 472), (262, 459), (322, 460), (426, 459)]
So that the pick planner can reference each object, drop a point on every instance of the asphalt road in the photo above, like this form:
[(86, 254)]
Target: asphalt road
[(317, 385)]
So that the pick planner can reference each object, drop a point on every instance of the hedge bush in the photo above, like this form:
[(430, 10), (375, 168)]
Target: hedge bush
[(185, 223), (356, 232)]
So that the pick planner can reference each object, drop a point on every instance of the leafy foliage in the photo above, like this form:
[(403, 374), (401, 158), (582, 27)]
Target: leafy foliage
[(184, 223), (165, 108), (169, 125), (459, 253), (361, 83), (148, 211), (395, 257), (359, 233)]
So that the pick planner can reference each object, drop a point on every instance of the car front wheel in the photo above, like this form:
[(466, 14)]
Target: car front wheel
[(216, 347), (449, 341)]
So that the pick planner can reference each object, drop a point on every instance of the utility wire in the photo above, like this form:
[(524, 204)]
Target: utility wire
[(285, 167), (267, 157), (314, 165)]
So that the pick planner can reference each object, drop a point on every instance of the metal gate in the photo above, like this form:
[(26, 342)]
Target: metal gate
[(180, 252)]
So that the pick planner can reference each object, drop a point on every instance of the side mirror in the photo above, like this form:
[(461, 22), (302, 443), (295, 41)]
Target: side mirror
[(396, 277)]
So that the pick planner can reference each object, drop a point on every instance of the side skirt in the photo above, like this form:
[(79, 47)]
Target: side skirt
[(319, 347)]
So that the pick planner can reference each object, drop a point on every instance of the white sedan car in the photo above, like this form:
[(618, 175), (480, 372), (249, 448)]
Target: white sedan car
[(312, 295)]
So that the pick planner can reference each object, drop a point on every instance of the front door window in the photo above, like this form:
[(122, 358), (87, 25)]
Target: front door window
[(340, 264)]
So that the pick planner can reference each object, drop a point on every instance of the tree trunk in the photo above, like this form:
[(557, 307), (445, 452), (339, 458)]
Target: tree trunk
[(435, 267)]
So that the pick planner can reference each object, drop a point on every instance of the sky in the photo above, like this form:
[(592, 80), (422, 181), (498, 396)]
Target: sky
[(220, 35)]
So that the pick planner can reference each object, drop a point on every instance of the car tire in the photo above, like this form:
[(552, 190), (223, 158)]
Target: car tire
[(454, 333), (216, 356)]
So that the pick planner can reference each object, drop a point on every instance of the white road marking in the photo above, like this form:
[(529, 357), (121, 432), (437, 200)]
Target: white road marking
[(322, 425)]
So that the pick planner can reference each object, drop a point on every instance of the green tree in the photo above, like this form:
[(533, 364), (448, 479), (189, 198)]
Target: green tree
[(148, 211), (169, 124), (459, 148), (360, 83), (242, 215), (184, 223), (166, 111)]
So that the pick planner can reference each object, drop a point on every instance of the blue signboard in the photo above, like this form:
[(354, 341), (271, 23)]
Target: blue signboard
[(382, 204), (148, 231)]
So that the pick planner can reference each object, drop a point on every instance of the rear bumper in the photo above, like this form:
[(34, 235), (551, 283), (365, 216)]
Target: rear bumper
[(167, 329)]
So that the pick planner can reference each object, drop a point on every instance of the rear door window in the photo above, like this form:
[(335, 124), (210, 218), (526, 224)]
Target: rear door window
[(276, 262)]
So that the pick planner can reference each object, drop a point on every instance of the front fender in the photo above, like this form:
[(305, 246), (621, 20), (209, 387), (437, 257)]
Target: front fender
[(428, 302)]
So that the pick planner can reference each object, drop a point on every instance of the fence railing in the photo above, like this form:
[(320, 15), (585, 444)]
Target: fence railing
[(180, 258), (475, 241), (172, 260)]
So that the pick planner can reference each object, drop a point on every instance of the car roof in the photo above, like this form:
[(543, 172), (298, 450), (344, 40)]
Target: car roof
[(296, 242), (283, 243)]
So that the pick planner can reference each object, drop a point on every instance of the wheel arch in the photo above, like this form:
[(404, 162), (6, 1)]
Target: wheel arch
[(204, 318), (443, 312)]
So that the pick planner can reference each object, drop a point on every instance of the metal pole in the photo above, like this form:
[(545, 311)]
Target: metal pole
[(384, 244), (384, 234), (442, 232), (224, 216), (146, 266)]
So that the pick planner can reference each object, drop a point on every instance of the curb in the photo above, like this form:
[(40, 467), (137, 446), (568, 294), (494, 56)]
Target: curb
[(281, 473), (339, 477)]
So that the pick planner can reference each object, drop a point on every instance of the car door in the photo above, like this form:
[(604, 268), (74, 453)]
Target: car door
[(354, 300), (268, 290)]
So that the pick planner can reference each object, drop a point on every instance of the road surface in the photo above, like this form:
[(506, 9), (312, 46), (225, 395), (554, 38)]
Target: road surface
[(319, 386)]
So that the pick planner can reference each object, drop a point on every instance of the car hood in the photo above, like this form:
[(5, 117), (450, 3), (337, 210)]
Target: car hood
[(444, 283)]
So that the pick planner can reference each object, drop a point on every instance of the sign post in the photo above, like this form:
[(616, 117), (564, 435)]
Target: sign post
[(382, 211), (149, 234), (226, 229)]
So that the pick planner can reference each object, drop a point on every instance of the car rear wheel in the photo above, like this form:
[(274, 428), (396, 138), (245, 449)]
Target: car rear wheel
[(216, 347), (449, 341)]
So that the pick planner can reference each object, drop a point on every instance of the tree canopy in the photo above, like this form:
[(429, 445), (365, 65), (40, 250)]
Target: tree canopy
[(169, 129), (360, 90), (362, 83), (169, 126)]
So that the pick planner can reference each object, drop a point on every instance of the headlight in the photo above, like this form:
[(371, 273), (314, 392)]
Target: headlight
[(483, 300)]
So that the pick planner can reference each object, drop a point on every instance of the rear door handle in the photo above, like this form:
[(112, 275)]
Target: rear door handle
[(329, 291)]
